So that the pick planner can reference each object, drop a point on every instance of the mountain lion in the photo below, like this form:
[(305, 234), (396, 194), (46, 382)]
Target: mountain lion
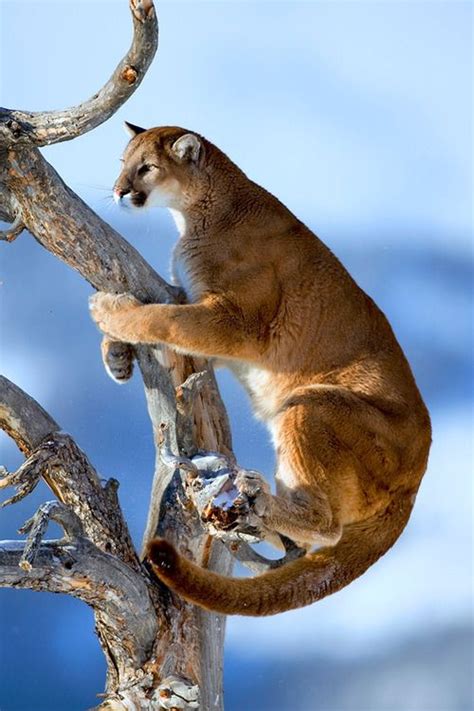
[(318, 358)]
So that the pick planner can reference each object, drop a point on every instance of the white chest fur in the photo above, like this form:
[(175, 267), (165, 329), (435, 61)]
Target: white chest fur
[(179, 220), (259, 384), (257, 381), (181, 271), (182, 276)]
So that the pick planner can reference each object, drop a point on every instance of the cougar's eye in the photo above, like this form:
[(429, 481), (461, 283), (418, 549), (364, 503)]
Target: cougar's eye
[(144, 169)]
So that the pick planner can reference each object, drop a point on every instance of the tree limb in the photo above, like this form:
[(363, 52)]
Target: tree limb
[(32, 194), (46, 127), (22, 418), (16, 228), (119, 596), (56, 216), (55, 456)]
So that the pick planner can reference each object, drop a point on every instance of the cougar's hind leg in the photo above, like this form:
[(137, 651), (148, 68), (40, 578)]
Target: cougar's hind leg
[(335, 460), (302, 509), (312, 466)]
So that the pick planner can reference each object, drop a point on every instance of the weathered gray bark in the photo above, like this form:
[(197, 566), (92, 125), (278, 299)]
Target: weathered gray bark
[(149, 639), (161, 652)]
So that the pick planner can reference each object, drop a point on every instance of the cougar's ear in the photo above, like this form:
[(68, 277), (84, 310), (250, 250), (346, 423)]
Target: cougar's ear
[(187, 147), (133, 130)]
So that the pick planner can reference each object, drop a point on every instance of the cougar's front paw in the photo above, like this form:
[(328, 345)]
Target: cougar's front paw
[(108, 310), (102, 303)]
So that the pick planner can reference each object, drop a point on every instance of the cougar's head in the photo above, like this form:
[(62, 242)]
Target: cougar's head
[(162, 167)]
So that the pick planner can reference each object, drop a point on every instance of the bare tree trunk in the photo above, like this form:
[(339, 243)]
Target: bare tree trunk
[(161, 652)]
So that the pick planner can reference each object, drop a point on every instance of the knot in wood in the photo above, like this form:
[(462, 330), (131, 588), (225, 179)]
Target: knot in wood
[(129, 74)]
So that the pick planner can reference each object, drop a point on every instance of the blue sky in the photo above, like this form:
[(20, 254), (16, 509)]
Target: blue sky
[(353, 112), (358, 116)]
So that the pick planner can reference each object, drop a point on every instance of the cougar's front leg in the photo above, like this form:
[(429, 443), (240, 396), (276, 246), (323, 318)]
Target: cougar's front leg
[(208, 328)]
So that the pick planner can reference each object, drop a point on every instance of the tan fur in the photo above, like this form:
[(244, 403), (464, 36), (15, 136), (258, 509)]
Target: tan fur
[(318, 358)]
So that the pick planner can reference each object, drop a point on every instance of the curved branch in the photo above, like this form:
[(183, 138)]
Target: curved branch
[(46, 127)]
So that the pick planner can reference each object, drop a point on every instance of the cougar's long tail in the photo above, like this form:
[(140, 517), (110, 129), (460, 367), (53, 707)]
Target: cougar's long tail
[(296, 584)]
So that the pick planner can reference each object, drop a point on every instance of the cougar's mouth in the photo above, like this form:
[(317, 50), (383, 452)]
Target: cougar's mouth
[(127, 198), (138, 199)]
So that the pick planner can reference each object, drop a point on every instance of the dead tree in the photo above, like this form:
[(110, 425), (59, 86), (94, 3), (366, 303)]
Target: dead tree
[(161, 652)]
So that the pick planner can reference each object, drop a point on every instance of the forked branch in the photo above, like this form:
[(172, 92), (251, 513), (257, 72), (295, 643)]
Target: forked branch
[(55, 456), (119, 596)]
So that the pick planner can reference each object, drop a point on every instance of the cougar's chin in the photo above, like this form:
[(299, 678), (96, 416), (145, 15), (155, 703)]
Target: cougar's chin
[(138, 199), (160, 198)]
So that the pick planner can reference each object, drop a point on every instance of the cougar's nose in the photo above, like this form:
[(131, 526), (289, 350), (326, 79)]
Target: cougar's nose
[(119, 193)]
